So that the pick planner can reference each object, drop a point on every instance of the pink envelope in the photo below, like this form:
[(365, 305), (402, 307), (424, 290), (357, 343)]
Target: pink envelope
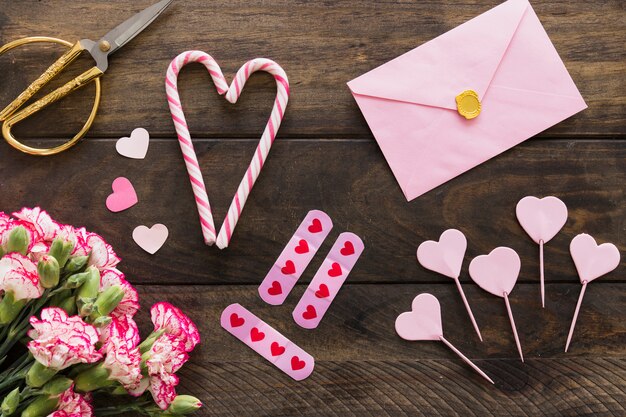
[(505, 56)]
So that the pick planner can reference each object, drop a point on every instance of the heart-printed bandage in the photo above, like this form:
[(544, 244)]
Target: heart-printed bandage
[(189, 154)]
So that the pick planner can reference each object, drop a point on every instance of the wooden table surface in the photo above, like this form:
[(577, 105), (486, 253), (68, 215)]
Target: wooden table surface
[(326, 158)]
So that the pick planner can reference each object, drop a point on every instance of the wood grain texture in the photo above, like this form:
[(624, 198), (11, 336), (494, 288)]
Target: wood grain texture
[(349, 179), (321, 45), (325, 158), (364, 369)]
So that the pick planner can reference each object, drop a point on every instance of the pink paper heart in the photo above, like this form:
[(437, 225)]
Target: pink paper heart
[(123, 196), (423, 322), (497, 272), (541, 218), (444, 256), (135, 146), (593, 260), (150, 239)]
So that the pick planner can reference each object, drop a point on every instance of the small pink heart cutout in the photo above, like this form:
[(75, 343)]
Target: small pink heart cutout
[(423, 322), (497, 272), (150, 239), (135, 146), (444, 256), (593, 260), (123, 196), (541, 218)]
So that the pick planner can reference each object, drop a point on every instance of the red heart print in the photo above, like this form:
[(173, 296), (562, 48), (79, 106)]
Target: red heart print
[(348, 249), (289, 268), (310, 313), (296, 363), (256, 335), (236, 321), (277, 349), (303, 247), (322, 292), (275, 289), (316, 226), (335, 270)]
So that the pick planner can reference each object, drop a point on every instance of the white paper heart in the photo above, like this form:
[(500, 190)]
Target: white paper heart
[(135, 146), (150, 239), (593, 260), (444, 256)]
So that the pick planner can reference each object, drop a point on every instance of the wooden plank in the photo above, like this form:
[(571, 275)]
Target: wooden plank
[(322, 45), (301, 175), (364, 369)]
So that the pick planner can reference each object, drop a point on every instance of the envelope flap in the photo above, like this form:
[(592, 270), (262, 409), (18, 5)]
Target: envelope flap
[(465, 58)]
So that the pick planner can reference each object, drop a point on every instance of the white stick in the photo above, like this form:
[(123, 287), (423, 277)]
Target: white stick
[(571, 329), (508, 309), (462, 356)]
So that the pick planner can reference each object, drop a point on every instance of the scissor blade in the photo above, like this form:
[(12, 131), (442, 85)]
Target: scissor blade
[(125, 32)]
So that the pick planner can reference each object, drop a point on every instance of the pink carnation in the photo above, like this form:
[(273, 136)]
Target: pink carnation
[(122, 357), (4, 219), (166, 356), (101, 253), (130, 303), (41, 221), (18, 274), (125, 325), (176, 323), (72, 404), (60, 341)]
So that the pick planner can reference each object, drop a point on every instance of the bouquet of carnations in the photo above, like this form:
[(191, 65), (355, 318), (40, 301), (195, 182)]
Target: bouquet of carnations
[(67, 334)]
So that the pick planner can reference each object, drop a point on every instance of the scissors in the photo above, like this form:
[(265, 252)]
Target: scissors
[(99, 51)]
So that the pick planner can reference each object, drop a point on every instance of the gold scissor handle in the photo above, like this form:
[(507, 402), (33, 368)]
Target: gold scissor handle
[(11, 115)]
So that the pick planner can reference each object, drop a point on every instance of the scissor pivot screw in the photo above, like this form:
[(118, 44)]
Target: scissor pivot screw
[(105, 46)]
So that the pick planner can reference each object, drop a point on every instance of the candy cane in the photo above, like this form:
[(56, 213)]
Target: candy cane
[(186, 145)]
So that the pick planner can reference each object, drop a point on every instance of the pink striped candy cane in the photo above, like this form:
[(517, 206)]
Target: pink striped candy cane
[(186, 145)]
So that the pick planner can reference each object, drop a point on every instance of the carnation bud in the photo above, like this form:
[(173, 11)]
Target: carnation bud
[(84, 309), (10, 308), (41, 407), (18, 241), (102, 321), (76, 263), (107, 301), (48, 270), (69, 305), (92, 379), (39, 374), (146, 345), (10, 402), (61, 250), (1, 252), (184, 404), (57, 386), (88, 291)]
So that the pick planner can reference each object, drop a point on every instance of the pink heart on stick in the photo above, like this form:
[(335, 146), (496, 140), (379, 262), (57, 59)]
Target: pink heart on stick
[(497, 272), (423, 322), (150, 239), (541, 218), (444, 256), (136, 146), (593, 260), (123, 196)]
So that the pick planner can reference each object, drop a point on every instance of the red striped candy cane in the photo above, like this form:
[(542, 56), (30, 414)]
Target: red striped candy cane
[(186, 145)]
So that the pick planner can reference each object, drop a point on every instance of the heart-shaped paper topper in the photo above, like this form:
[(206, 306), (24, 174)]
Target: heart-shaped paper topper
[(444, 256), (541, 218), (593, 260), (135, 146), (150, 239), (423, 322), (497, 272)]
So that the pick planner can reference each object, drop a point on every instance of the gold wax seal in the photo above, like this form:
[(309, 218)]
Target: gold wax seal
[(468, 104)]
